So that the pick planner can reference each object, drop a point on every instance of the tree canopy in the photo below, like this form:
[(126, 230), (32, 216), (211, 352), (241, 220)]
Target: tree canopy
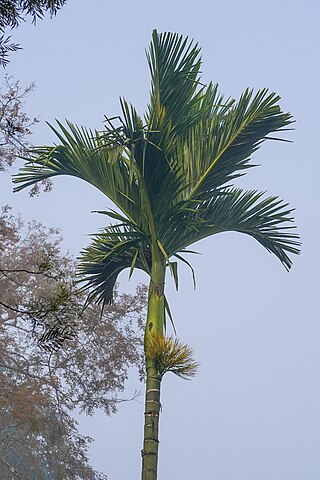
[(42, 309), (172, 167)]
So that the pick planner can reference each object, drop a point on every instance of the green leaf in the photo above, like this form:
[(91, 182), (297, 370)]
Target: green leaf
[(189, 265), (133, 263), (174, 270), (86, 155), (110, 252), (168, 311), (174, 63), (268, 220)]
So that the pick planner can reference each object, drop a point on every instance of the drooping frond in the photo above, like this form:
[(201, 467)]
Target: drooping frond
[(86, 155), (111, 251), (268, 220)]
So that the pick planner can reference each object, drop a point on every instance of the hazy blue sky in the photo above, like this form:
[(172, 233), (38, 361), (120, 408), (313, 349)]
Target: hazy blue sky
[(252, 413)]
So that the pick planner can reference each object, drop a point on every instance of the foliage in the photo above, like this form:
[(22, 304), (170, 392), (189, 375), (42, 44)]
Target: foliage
[(169, 172), (40, 387), (13, 12), (5, 48), (15, 126)]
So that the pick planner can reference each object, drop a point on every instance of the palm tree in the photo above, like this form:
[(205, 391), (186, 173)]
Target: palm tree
[(168, 174)]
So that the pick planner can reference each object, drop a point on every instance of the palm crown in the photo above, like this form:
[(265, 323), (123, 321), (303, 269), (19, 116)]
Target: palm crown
[(169, 172)]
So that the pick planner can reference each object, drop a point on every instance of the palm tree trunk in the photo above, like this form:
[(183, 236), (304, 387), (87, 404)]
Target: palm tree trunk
[(155, 326)]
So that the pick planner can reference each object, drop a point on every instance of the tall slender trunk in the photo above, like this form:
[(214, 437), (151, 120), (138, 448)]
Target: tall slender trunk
[(155, 326)]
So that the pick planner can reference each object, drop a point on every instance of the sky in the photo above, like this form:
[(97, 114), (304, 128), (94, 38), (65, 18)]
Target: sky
[(252, 412)]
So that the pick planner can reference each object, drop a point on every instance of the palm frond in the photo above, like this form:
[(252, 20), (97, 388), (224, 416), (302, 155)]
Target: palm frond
[(148, 163), (219, 148), (174, 64), (111, 251), (86, 155), (268, 220)]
